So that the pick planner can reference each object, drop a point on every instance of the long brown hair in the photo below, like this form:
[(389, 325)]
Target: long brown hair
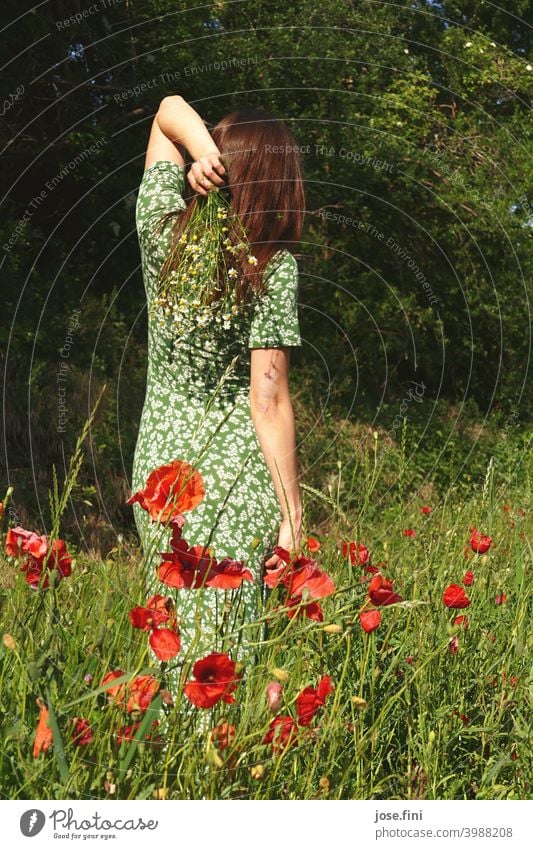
[(264, 184)]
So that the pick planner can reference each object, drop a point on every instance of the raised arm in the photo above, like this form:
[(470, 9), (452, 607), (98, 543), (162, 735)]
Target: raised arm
[(177, 123), (273, 418)]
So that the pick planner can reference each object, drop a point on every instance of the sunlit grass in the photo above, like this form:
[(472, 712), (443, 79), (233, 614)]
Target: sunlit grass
[(408, 717)]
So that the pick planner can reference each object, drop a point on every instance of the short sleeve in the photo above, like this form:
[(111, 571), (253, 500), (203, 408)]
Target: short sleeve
[(160, 192), (275, 322)]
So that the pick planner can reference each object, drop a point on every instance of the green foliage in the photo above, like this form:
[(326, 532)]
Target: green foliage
[(415, 258)]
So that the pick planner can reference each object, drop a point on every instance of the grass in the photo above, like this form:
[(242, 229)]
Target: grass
[(408, 717)]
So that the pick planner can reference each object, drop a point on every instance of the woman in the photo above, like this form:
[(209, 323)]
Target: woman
[(223, 404)]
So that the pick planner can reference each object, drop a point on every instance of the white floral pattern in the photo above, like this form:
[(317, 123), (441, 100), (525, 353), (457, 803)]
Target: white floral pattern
[(197, 409)]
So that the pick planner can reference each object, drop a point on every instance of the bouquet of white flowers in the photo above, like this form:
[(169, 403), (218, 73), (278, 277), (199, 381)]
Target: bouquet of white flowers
[(199, 284)]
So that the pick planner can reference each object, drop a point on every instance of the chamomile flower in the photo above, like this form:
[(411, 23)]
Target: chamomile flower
[(198, 284)]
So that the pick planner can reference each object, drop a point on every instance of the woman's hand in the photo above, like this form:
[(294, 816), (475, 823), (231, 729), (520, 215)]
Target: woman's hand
[(288, 538), (204, 174), (182, 125)]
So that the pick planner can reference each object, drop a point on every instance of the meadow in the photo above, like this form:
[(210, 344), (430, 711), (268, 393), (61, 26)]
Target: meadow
[(394, 663)]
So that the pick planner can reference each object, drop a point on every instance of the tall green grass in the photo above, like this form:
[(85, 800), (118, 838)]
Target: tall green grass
[(440, 725)]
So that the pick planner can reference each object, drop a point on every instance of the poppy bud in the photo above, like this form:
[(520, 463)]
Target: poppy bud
[(9, 642), (257, 772), (359, 703), (273, 692), (324, 784), (333, 629), (280, 674), (454, 645), (431, 737)]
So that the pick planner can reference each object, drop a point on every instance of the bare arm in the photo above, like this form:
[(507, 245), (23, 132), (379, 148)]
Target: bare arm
[(273, 418), (178, 123)]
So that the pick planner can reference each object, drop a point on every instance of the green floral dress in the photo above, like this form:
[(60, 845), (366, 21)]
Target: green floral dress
[(197, 409)]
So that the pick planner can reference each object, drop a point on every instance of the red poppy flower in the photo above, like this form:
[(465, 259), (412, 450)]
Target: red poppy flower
[(453, 645), (143, 689), (279, 575), (455, 596), (157, 611), (410, 659), (19, 540), (216, 679), (461, 621), (128, 732), (409, 532), (184, 567), (228, 574), (118, 691), (309, 577), (312, 544), (81, 733), (480, 543), (310, 700), (370, 620), (165, 643), (381, 593), (299, 574), (462, 716), (358, 553), (282, 732), (169, 491), (500, 599), (425, 510), (140, 691), (43, 733), (223, 735), (41, 555), (468, 578), (274, 577), (311, 610), (56, 557)]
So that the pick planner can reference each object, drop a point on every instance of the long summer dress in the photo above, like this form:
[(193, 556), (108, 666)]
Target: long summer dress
[(197, 409)]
